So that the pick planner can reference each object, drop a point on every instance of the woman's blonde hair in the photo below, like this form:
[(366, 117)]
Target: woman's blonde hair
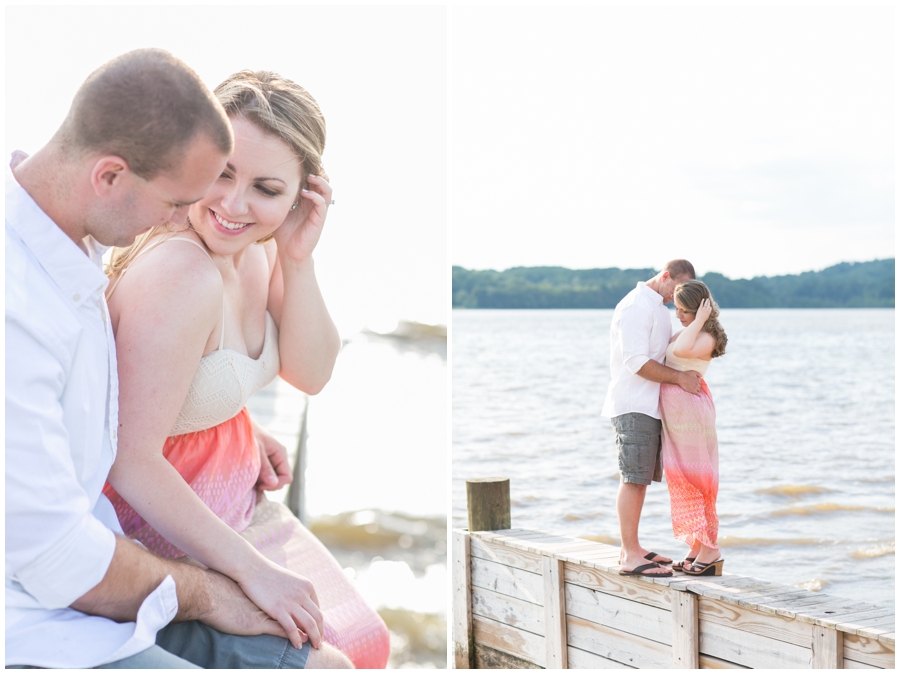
[(689, 295), (276, 106)]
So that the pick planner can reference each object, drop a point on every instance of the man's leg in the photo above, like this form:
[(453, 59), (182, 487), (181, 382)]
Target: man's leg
[(629, 504), (211, 649), (638, 444), (153, 658), (328, 657)]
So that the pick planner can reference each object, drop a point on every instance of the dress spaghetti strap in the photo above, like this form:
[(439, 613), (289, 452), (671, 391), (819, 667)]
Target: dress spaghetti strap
[(112, 289)]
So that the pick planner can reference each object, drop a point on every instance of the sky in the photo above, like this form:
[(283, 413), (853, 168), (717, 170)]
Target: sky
[(379, 75), (751, 140)]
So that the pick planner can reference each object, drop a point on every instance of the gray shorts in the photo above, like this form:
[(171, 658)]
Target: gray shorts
[(211, 649), (192, 644), (640, 455)]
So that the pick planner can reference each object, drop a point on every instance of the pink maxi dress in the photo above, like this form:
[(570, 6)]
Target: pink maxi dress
[(690, 454), (214, 449)]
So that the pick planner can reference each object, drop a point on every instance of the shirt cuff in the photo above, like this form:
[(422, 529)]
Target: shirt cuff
[(635, 363), (72, 567)]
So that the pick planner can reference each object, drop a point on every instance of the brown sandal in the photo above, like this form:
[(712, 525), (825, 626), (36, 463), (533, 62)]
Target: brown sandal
[(639, 571), (679, 566), (701, 569)]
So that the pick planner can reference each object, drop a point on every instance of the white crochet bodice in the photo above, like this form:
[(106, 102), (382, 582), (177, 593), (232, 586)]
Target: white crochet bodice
[(224, 382), (685, 364)]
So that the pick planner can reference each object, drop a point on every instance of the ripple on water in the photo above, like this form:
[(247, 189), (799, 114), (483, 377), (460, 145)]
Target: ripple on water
[(876, 551), (814, 585), (825, 508), (739, 542), (794, 491), (601, 538)]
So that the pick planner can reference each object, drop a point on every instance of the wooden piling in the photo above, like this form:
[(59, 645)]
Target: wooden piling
[(488, 501)]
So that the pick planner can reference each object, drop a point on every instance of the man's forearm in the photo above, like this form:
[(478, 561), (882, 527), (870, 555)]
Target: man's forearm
[(133, 574), (661, 374)]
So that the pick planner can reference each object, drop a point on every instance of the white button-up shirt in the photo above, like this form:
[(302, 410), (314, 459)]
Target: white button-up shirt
[(61, 410), (640, 331)]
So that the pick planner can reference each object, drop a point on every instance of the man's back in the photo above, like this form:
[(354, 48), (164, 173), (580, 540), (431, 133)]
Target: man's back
[(639, 332)]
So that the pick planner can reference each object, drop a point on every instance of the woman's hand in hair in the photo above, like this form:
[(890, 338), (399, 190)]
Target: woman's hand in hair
[(298, 236), (704, 311)]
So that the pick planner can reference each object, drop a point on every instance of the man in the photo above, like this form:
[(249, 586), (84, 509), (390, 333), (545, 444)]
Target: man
[(639, 334), (143, 140)]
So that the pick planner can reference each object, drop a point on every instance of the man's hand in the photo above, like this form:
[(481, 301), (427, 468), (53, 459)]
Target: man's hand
[(274, 467), (690, 381), (230, 610)]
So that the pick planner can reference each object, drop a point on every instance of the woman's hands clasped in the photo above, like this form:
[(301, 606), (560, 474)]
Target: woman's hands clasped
[(287, 597), (298, 235)]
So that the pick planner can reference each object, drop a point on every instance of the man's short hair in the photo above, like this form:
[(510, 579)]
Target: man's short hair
[(145, 106), (679, 268)]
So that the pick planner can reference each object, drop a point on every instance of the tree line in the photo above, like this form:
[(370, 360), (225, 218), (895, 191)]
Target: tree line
[(844, 285)]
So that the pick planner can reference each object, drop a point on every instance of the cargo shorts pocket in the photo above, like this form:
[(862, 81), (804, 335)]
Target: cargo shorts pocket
[(635, 455)]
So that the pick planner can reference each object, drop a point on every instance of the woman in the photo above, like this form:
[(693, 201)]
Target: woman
[(203, 319), (689, 446)]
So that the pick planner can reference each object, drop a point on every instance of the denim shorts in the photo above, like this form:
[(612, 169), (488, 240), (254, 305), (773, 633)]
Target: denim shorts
[(637, 439)]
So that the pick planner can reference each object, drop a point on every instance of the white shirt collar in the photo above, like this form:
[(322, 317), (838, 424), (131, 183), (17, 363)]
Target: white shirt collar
[(77, 275), (650, 292)]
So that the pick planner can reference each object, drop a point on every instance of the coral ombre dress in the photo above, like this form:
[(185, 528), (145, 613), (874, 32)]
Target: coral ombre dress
[(213, 448), (690, 453)]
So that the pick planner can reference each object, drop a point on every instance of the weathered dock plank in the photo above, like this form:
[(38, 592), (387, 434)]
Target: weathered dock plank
[(463, 636), (685, 630), (508, 610), (538, 599), (617, 645), (620, 586), (709, 662), (495, 552), (489, 658), (766, 625), (827, 648), (579, 659), (555, 613), (507, 580), (620, 613), (510, 640), (751, 650), (852, 664)]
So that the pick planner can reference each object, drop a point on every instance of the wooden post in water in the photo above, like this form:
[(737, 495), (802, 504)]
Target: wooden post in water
[(297, 490), (488, 500)]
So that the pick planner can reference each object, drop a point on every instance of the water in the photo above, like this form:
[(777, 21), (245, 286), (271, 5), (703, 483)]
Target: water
[(376, 479), (805, 421)]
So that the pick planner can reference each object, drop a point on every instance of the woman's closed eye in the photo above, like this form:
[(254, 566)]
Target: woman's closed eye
[(268, 191)]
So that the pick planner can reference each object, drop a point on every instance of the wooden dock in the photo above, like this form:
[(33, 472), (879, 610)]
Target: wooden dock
[(531, 599)]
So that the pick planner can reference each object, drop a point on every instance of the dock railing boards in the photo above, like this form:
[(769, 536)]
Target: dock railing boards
[(526, 599)]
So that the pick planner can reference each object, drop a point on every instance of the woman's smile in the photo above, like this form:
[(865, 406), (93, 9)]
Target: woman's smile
[(228, 225)]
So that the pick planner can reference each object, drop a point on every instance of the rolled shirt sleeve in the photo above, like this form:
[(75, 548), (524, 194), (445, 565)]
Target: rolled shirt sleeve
[(55, 547), (634, 337)]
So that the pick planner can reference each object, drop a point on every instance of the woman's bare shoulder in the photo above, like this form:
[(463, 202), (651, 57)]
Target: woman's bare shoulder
[(172, 273)]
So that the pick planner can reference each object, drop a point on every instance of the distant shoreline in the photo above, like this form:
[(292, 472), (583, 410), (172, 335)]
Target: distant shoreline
[(848, 285)]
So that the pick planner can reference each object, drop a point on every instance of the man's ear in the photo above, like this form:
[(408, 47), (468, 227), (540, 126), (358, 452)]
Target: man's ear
[(107, 174)]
